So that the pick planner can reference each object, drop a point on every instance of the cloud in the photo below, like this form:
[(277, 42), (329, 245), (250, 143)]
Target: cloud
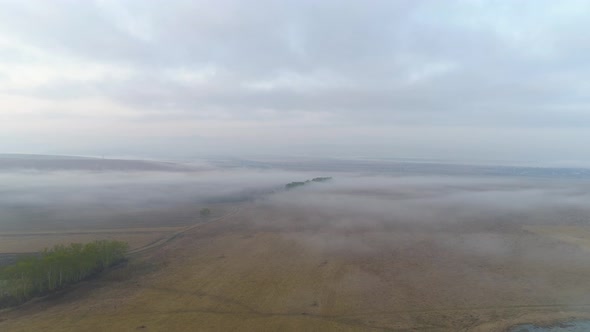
[(316, 67)]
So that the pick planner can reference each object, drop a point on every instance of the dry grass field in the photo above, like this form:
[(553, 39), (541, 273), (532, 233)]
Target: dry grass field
[(277, 266), (577, 235), (24, 242), (113, 228)]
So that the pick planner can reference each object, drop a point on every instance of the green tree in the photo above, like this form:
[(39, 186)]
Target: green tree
[(57, 267)]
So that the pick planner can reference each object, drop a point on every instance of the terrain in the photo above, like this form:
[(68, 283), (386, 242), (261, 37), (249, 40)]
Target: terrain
[(48, 162), (360, 253)]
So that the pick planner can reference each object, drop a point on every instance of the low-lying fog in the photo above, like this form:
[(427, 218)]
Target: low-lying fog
[(432, 241), (466, 237), (45, 200), (435, 202), (483, 215)]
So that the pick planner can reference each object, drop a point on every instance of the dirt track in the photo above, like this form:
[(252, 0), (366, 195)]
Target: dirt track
[(160, 242)]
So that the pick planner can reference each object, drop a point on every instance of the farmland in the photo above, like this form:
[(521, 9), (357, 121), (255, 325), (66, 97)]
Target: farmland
[(358, 254), (12, 242)]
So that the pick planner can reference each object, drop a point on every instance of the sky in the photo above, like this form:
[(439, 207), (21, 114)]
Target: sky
[(501, 81)]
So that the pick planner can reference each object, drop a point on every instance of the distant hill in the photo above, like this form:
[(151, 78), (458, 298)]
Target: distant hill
[(407, 168), (48, 162)]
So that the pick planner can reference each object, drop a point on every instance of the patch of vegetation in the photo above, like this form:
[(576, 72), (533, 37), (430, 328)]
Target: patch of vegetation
[(56, 268), (205, 212), (294, 185), (299, 183)]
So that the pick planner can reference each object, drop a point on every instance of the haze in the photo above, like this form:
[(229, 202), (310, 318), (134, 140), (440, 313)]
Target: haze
[(454, 80)]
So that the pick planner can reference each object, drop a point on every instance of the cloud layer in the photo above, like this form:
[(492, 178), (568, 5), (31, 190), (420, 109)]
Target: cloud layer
[(479, 79)]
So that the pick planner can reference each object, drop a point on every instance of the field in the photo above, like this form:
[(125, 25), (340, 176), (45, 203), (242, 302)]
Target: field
[(12, 242), (362, 255), (576, 235)]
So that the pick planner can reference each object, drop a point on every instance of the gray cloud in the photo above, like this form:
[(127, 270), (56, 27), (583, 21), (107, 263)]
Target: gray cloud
[(425, 65)]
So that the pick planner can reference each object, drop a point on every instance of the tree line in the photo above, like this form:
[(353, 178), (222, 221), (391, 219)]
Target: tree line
[(56, 268), (303, 183)]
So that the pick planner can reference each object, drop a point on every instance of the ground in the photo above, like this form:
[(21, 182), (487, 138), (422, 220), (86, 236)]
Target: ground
[(23, 242), (269, 268)]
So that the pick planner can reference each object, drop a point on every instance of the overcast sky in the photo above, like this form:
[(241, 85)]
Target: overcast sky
[(457, 80)]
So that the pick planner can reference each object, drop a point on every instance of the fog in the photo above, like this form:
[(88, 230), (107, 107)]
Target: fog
[(349, 200), (378, 240), (436, 202), (443, 220), (42, 200), (133, 187), (454, 238)]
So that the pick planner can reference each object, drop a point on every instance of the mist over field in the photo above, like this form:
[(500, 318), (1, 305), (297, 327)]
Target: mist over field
[(377, 239), (483, 216), (43, 199), (434, 201)]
